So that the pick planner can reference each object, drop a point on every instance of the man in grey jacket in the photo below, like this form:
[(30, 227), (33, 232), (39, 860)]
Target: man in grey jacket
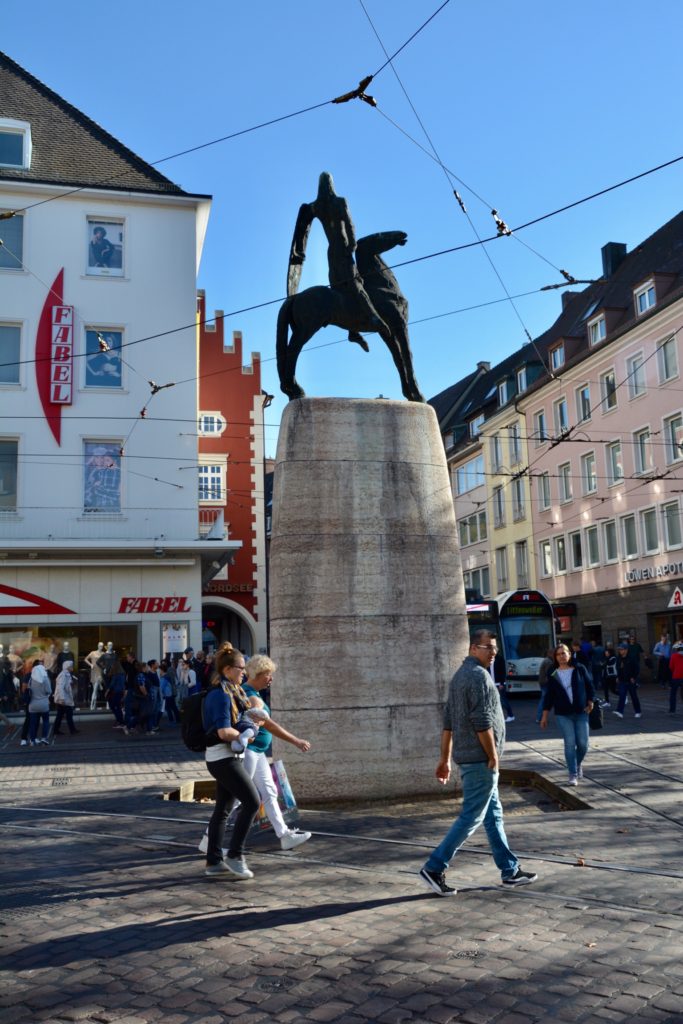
[(474, 736)]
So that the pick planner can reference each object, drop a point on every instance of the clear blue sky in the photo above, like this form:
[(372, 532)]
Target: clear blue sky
[(533, 105)]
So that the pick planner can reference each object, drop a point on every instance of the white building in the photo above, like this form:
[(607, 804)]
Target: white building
[(99, 532)]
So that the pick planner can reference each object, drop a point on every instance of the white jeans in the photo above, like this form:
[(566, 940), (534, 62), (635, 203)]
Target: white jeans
[(256, 765)]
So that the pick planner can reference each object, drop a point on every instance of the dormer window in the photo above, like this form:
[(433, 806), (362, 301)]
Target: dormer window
[(15, 144), (597, 330), (521, 380), (476, 424), (557, 356), (645, 298), (503, 392)]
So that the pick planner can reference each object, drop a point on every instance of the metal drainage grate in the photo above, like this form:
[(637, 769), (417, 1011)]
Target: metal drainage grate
[(467, 954), (274, 984), (61, 780)]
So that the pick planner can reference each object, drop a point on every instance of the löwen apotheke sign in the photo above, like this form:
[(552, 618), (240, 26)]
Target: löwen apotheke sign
[(653, 572), (153, 605)]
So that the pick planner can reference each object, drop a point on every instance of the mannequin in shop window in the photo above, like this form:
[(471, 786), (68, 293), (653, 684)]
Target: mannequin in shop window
[(50, 662), (92, 661), (7, 692), (15, 661), (106, 663), (66, 654)]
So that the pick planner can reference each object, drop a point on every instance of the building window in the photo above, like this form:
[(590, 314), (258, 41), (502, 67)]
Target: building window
[(503, 392), (514, 443), (545, 558), (589, 481), (540, 430), (498, 507), (10, 347), (12, 248), (609, 536), (576, 549), (608, 390), (648, 521), (475, 425), (501, 569), (673, 438), (522, 564), (672, 524), (667, 360), (521, 380), (592, 546), (645, 298), (597, 331), (470, 475), (9, 460), (615, 466), (518, 502), (103, 363), (478, 579), (560, 555), (642, 455), (564, 473), (635, 374), (561, 417), (629, 536), (583, 403), (15, 144), (544, 490), (212, 482), (473, 529), (210, 424), (105, 240), (557, 356), (102, 476), (496, 452)]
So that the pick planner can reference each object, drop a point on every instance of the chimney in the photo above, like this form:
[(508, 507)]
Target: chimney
[(483, 366), (567, 298), (613, 255)]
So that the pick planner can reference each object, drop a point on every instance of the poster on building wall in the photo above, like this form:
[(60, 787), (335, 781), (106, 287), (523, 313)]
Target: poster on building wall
[(102, 477), (174, 637), (105, 248), (103, 358)]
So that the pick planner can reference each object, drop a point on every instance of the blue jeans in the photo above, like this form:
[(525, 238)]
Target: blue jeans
[(673, 689), (574, 729), (35, 717), (480, 804)]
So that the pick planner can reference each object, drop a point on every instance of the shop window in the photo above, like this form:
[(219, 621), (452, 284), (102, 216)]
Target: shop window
[(103, 363), (10, 348), (102, 476), (9, 459)]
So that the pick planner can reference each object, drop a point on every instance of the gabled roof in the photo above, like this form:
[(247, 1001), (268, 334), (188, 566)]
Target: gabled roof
[(68, 147), (446, 400)]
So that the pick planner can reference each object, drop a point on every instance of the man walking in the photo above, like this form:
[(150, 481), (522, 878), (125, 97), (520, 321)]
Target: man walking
[(474, 735)]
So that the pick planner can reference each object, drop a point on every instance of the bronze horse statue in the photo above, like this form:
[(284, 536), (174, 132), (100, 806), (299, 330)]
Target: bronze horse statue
[(308, 311)]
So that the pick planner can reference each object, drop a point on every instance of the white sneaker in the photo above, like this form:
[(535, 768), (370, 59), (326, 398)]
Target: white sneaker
[(573, 781), (43, 740), (238, 867), (638, 715), (293, 838), (24, 743)]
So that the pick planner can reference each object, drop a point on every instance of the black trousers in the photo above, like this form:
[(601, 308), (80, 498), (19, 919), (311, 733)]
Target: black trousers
[(232, 782)]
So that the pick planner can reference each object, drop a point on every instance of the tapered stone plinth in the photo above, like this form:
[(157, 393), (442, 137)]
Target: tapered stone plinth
[(367, 607)]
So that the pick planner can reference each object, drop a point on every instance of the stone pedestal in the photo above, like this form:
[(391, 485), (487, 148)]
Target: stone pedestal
[(368, 618)]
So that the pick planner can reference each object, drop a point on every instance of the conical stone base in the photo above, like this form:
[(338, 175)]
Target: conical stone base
[(368, 618)]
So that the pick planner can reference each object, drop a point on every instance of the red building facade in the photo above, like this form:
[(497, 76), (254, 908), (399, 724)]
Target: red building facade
[(231, 488)]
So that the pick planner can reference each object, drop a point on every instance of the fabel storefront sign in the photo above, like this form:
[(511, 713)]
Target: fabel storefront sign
[(62, 355), (154, 605), (645, 573)]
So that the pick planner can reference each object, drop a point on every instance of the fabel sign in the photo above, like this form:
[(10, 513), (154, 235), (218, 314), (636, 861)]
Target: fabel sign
[(153, 605), (62, 355)]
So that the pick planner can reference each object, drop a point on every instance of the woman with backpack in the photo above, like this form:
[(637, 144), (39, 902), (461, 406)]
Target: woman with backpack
[(570, 694), (224, 703)]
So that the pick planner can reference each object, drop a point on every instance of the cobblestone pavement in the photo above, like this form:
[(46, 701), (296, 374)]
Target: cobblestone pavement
[(106, 916)]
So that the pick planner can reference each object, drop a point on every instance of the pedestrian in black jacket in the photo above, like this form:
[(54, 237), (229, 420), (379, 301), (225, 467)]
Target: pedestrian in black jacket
[(570, 694), (628, 671)]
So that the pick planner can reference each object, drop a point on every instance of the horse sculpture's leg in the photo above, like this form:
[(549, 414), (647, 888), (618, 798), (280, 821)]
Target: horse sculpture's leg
[(296, 343), (399, 346)]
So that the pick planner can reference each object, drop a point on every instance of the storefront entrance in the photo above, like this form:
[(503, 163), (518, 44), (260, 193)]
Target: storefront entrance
[(220, 624)]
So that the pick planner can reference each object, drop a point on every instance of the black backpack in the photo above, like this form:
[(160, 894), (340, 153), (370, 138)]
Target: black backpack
[(192, 728)]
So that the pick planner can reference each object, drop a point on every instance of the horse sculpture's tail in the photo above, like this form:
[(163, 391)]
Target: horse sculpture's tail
[(282, 338)]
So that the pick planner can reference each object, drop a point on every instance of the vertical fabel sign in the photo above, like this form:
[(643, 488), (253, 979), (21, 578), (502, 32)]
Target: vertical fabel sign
[(55, 356), (62, 363)]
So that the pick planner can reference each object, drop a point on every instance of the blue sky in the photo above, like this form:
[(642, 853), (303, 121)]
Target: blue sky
[(532, 105)]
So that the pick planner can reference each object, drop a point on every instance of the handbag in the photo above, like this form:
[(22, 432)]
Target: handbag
[(595, 717)]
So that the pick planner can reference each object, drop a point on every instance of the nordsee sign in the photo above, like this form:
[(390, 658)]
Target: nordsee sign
[(653, 572)]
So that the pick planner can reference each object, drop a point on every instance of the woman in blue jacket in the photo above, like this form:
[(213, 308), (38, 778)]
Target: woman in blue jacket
[(570, 694)]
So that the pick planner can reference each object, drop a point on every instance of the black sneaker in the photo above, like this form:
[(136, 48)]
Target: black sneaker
[(521, 878), (436, 880)]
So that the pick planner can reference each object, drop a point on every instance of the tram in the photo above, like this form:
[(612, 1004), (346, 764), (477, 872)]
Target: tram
[(524, 624)]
